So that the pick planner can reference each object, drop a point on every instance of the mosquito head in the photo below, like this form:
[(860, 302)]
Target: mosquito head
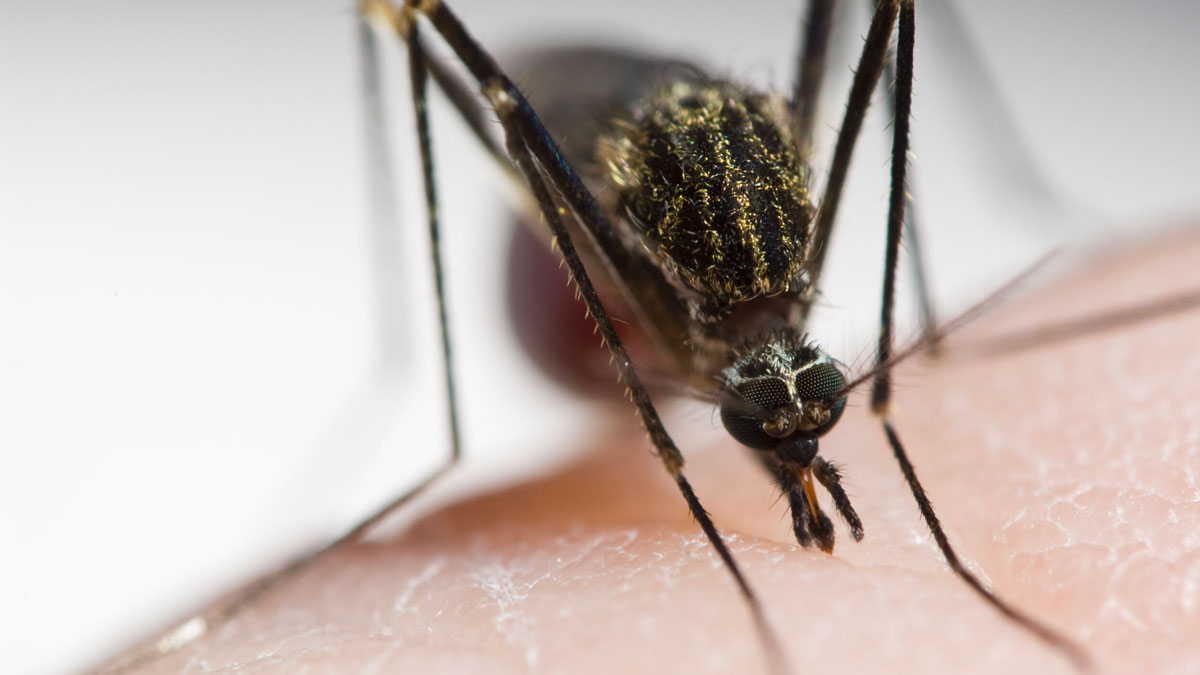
[(781, 394)]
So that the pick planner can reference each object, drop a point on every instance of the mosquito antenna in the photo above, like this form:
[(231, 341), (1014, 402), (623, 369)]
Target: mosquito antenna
[(932, 337), (1057, 332)]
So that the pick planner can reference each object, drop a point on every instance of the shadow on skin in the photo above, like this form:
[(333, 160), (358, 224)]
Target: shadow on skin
[(1066, 475)]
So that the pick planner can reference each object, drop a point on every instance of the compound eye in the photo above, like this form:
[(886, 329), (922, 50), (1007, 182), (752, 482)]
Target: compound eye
[(817, 386), (755, 410), (819, 382)]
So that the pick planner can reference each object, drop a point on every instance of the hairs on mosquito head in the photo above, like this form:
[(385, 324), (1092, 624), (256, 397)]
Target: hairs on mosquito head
[(785, 334), (865, 356)]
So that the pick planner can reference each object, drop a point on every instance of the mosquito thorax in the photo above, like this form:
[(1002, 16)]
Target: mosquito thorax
[(707, 175), (781, 394)]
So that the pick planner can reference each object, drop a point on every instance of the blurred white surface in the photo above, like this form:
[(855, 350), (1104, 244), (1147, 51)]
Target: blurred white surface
[(193, 385)]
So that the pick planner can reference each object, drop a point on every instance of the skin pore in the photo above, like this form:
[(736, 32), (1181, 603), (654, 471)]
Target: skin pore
[(1067, 475)]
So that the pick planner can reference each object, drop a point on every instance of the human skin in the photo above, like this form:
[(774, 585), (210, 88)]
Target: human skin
[(1065, 474)]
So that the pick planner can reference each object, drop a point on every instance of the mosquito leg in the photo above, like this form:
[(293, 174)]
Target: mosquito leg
[(420, 77), (806, 90), (467, 105), (669, 454), (1048, 635), (456, 91), (805, 98), (866, 77), (912, 234), (912, 243), (881, 391)]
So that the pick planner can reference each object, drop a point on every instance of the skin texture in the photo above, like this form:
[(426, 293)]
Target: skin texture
[(1066, 475)]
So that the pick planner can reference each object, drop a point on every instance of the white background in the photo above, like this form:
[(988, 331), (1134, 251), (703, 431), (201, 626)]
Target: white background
[(210, 360)]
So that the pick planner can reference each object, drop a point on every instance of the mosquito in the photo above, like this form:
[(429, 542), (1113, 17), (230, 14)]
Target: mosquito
[(722, 266), (714, 241)]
